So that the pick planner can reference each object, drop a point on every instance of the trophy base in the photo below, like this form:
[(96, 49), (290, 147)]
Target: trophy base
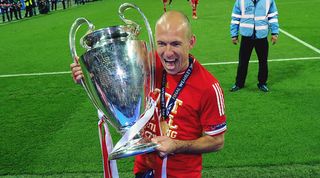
[(132, 148)]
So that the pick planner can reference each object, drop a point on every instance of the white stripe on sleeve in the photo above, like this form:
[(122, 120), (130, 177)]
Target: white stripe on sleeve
[(219, 102), (235, 22), (273, 14), (236, 15), (273, 20), (221, 97)]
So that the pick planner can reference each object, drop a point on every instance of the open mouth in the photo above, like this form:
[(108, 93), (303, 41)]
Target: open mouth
[(170, 60), (170, 64)]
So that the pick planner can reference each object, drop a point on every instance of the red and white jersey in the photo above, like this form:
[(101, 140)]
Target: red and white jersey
[(198, 109)]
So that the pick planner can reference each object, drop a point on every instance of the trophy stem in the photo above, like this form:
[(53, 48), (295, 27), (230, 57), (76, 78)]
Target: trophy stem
[(135, 129), (131, 142)]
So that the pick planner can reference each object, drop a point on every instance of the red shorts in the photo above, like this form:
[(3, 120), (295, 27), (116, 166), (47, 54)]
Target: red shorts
[(194, 1)]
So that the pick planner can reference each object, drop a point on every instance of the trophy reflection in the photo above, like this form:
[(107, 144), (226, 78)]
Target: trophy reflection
[(118, 73)]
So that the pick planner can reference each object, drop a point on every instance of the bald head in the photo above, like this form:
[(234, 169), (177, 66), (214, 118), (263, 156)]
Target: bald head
[(174, 21), (174, 41)]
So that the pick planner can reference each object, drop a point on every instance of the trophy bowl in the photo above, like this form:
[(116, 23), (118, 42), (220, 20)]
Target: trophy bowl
[(118, 78)]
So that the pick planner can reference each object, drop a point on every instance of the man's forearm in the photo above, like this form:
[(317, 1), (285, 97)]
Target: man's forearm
[(203, 144)]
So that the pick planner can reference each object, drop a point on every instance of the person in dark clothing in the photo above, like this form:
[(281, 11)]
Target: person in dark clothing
[(18, 8), (33, 7), (54, 4), (43, 7), (63, 4), (13, 9), (4, 10)]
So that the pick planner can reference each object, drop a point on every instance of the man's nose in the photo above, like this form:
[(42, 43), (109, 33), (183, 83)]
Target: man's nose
[(168, 50)]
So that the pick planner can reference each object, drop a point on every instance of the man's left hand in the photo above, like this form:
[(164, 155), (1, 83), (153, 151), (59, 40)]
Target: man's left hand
[(274, 39)]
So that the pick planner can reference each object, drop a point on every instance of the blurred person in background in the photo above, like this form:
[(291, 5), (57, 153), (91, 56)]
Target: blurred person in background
[(18, 8), (54, 5), (63, 4), (43, 6), (28, 5), (34, 7), (4, 5), (68, 3), (13, 9), (194, 4), (165, 3)]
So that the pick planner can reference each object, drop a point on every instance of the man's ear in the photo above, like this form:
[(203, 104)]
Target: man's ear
[(192, 41)]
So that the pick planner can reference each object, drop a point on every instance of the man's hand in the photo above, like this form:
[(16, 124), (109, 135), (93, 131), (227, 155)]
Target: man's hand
[(166, 145), (76, 71), (274, 39), (234, 40)]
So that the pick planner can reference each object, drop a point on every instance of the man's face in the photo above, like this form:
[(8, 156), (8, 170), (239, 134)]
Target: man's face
[(173, 47)]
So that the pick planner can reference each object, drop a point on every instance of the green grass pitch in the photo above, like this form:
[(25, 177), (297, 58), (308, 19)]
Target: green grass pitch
[(48, 127)]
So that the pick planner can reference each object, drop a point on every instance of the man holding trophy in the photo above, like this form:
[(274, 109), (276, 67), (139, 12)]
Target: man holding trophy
[(189, 118)]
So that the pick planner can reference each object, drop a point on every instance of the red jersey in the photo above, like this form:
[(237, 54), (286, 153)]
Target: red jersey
[(198, 109)]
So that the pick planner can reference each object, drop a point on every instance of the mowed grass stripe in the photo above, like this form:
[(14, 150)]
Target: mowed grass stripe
[(295, 170)]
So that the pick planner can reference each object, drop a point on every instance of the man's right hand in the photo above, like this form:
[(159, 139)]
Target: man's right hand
[(234, 40), (77, 74)]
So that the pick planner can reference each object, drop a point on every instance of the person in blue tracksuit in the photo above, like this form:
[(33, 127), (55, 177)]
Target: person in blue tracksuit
[(254, 20)]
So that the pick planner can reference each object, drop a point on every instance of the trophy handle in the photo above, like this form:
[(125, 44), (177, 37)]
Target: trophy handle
[(123, 7), (72, 35), (72, 44)]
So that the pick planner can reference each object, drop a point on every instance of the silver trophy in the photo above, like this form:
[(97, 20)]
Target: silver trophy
[(118, 73)]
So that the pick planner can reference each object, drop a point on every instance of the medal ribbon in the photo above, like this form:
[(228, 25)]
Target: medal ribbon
[(110, 169), (165, 111)]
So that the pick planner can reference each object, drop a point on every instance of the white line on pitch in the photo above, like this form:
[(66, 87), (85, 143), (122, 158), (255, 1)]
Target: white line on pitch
[(34, 74), (300, 41), (255, 61), (204, 64)]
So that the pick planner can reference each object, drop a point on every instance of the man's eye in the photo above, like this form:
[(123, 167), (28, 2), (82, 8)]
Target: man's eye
[(175, 44), (161, 44)]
